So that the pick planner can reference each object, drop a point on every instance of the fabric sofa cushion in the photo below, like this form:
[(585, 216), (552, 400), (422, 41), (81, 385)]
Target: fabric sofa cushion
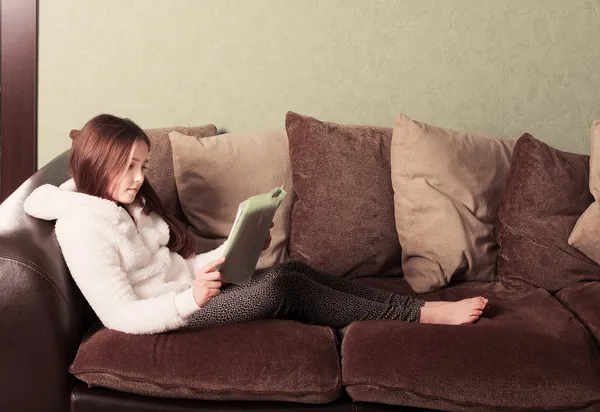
[(526, 352), (262, 360), (447, 187), (343, 216), (583, 299), (160, 162), (215, 174), (585, 233), (545, 193)]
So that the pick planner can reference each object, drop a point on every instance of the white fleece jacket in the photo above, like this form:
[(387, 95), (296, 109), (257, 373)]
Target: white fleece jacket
[(133, 282)]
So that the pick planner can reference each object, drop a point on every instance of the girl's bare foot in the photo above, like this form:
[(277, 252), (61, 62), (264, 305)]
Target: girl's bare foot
[(436, 303), (453, 313)]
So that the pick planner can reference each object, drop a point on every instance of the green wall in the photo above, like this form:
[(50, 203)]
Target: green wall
[(499, 67)]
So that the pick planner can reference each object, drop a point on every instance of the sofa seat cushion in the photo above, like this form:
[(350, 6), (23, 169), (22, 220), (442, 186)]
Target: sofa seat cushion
[(279, 360), (583, 299), (527, 351)]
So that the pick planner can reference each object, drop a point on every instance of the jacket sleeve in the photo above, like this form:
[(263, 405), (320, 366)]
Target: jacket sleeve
[(197, 261), (95, 266)]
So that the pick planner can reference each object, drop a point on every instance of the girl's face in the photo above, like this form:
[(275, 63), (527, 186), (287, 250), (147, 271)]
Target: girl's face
[(126, 187)]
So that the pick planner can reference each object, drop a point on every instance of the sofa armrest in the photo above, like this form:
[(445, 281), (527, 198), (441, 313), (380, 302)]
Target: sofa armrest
[(33, 354), (42, 313)]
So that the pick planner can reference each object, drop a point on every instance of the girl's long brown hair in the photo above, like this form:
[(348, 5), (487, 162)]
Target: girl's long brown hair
[(99, 156)]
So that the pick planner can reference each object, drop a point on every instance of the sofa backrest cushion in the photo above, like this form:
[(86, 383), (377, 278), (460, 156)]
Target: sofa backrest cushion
[(545, 193), (343, 215)]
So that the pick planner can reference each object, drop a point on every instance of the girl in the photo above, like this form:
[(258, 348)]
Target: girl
[(135, 265)]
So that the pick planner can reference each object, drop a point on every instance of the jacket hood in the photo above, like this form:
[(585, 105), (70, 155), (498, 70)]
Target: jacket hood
[(49, 202)]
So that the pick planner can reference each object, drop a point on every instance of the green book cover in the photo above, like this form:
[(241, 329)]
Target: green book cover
[(248, 234)]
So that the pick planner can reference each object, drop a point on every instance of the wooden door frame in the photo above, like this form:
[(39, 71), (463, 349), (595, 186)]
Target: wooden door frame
[(18, 90)]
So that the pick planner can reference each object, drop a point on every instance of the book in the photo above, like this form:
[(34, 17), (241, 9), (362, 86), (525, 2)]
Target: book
[(248, 234)]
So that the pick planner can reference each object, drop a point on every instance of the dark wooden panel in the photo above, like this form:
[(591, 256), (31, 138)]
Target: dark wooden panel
[(18, 153)]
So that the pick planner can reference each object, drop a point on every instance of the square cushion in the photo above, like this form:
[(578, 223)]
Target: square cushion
[(160, 162), (262, 360), (447, 187), (527, 352), (583, 299), (215, 174), (585, 233), (343, 216), (545, 193)]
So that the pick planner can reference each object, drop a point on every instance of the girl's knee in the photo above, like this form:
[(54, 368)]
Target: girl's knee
[(294, 266), (286, 283), (280, 294)]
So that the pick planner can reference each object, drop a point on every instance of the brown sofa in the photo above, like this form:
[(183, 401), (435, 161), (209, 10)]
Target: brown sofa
[(535, 347)]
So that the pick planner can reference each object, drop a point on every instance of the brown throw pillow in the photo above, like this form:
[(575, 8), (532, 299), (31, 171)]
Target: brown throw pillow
[(215, 174), (343, 216), (586, 233), (160, 162), (545, 193), (447, 187)]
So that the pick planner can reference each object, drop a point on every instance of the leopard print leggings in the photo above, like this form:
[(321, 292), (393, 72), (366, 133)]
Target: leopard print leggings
[(294, 290)]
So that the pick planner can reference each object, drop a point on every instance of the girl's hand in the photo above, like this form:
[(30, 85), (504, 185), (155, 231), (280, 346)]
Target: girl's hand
[(268, 240), (208, 282)]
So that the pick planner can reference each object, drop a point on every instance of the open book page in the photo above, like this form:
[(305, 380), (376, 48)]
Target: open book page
[(237, 216)]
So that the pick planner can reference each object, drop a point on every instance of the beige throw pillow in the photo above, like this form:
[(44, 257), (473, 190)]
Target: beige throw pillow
[(447, 186), (586, 233), (215, 174)]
